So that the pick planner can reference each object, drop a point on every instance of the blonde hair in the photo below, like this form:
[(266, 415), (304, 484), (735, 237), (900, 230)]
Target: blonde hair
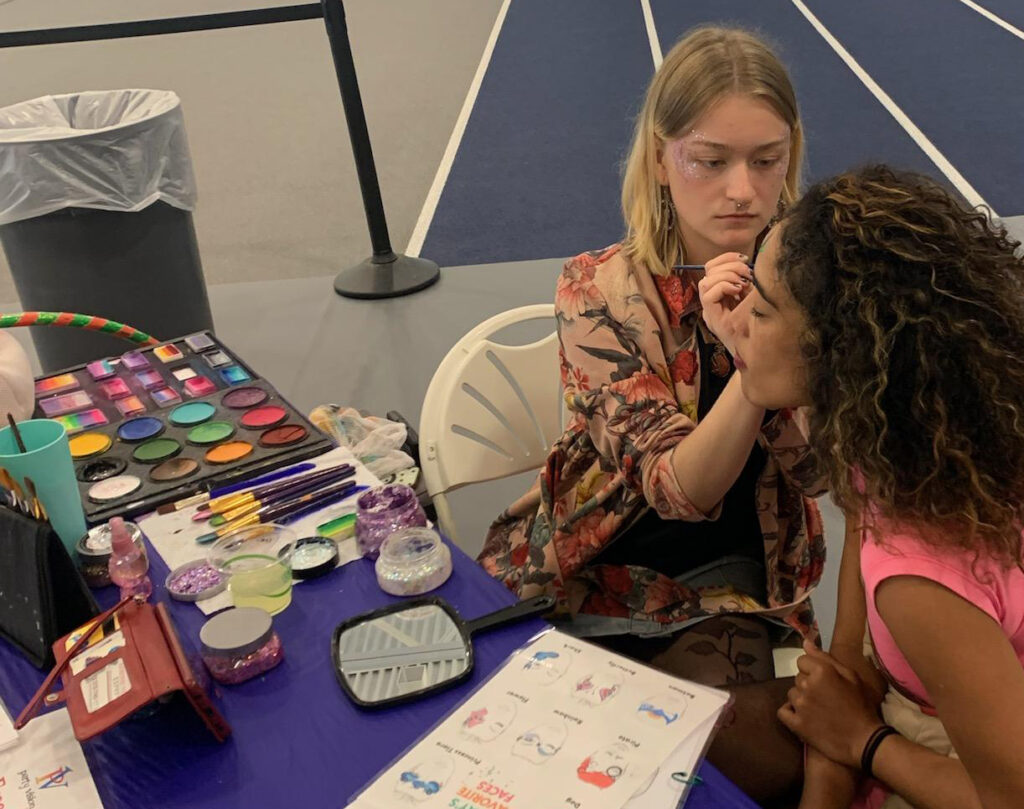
[(704, 67)]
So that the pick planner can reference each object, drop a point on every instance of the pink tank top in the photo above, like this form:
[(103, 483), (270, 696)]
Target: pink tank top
[(996, 591)]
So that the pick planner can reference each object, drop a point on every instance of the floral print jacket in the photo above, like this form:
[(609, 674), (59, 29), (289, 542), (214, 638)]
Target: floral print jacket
[(630, 372)]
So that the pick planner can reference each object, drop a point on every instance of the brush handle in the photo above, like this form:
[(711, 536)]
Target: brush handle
[(273, 477)]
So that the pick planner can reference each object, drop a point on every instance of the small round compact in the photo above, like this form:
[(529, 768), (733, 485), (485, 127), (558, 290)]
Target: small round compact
[(93, 559), (313, 557), (195, 581)]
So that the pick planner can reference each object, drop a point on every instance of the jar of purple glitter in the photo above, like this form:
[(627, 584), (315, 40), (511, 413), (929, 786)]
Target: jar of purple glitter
[(382, 511), (239, 644)]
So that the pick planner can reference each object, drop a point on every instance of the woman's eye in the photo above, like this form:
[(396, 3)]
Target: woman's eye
[(766, 162), (756, 313), (711, 164)]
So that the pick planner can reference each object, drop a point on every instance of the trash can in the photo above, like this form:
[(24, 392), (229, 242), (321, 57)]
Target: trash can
[(96, 200)]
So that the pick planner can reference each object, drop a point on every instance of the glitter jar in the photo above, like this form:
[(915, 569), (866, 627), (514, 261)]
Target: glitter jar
[(94, 553), (382, 511), (239, 644), (194, 581), (413, 561)]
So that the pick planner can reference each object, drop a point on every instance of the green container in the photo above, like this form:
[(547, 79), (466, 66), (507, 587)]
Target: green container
[(47, 462)]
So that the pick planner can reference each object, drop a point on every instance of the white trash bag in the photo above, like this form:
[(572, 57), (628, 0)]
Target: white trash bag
[(114, 150), (373, 440)]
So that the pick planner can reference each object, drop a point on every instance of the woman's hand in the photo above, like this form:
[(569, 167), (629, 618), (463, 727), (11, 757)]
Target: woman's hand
[(726, 282), (830, 708)]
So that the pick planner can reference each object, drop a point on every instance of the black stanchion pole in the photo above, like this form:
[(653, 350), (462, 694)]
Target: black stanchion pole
[(385, 274)]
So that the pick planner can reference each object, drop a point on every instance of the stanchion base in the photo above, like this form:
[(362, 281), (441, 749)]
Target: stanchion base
[(386, 279)]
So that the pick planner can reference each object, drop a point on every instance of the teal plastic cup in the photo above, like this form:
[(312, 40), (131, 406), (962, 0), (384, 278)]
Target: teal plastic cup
[(47, 461)]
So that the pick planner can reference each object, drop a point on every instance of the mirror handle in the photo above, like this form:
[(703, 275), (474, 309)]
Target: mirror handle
[(524, 609)]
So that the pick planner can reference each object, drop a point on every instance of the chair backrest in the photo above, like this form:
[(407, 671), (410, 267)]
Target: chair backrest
[(491, 410)]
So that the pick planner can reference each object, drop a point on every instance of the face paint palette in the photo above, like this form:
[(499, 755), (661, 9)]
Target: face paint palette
[(159, 424)]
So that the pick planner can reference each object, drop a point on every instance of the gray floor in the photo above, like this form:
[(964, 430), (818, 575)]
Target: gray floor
[(278, 196)]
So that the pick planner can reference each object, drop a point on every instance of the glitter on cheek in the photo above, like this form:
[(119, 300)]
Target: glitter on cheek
[(780, 167), (686, 162)]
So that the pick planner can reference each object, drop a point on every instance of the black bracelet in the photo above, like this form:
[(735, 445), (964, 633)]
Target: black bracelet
[(871, 747)]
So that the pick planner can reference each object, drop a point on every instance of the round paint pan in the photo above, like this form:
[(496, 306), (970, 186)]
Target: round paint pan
[(283, 436), (86, 445), (101, 469), (135, 431), (244, 398), (260, 418), (174, 469), (191, 414), (157, 450), (213, 432), (313, 557), (228, 452), (114, 488)]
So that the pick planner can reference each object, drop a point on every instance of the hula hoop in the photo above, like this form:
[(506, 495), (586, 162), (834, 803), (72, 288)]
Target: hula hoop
[(78, 321)]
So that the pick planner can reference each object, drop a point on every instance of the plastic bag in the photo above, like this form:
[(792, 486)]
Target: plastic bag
[(115, 150), (373, 440)]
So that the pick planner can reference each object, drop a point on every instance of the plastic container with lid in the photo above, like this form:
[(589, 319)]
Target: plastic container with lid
[(239, 644), (413, 561), (382, 511)]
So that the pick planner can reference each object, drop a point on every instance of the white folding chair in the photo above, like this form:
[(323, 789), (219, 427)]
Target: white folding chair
[(491, 410)]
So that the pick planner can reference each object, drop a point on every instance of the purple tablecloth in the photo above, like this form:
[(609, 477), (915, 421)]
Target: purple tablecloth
[(297, 740)]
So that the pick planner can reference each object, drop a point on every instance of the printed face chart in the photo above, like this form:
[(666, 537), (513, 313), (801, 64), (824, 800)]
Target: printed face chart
[(562, 723)]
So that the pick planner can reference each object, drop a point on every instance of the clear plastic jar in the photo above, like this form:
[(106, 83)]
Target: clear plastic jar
[(239, 644), (382, 511), (413, 561)]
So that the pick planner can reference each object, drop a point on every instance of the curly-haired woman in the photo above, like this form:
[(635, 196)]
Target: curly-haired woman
[(897, 316)]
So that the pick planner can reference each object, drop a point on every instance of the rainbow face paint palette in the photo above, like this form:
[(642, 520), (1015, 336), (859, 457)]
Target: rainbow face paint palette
[(162, 423)]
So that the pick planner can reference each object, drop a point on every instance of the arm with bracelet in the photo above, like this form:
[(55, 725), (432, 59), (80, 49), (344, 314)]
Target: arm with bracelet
[(957, 697)]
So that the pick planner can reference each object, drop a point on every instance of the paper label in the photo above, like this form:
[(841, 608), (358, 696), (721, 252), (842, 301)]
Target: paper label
[(104, 686), (96, 651), (46, 768)]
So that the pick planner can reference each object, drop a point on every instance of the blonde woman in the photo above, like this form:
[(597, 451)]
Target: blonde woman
[(673, 520)]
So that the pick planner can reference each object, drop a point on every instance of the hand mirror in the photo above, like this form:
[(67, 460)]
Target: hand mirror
[(413, 648)]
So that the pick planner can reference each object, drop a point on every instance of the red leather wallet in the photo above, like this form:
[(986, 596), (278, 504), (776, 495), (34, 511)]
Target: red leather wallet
[(118, 663)]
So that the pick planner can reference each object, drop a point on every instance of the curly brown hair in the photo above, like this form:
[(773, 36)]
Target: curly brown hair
[(915, 354)]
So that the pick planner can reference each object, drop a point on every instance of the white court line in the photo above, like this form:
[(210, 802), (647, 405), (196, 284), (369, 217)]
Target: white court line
[(984, 12), (955, 177), (652, 33), (419, 233)]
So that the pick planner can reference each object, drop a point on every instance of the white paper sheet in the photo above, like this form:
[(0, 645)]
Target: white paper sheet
[(562, 723), (46, 768), (174, 535)]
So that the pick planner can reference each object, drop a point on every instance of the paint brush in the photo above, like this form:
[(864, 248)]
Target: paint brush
[(317, 505), (298, 485), (36, 504), (17, 433), (281, 474), (695, 266), (271, 513), (204, 497), (278, 495)]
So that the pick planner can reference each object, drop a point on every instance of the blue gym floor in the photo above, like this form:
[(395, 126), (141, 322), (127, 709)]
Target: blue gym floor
[(537, 171)]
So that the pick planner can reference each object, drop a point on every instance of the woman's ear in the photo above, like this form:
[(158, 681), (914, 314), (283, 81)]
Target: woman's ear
[(660, 170)]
